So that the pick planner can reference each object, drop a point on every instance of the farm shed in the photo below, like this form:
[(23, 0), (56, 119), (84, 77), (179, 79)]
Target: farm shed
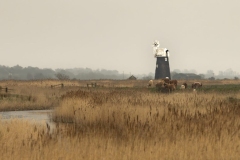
[(132, 78)]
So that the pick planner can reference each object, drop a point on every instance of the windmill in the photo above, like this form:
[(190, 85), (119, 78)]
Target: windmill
[(162, 63)]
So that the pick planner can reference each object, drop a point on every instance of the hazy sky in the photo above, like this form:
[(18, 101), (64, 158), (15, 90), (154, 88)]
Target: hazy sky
[(118, 35)]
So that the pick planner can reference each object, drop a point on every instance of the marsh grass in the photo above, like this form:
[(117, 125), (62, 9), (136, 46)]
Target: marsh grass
[(129, 122), (188, 125), (27, 99), (227, 88), (19, 138), (26, 96)]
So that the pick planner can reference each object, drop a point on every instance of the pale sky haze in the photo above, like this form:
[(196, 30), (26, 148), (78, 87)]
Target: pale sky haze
[(118, 35)]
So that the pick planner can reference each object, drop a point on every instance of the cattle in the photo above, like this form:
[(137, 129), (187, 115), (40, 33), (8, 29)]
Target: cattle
[(150, 83), (185, 84), (182, 87), (166, 80), (169, 87), (173, 82), (196, 85), (159, 85)]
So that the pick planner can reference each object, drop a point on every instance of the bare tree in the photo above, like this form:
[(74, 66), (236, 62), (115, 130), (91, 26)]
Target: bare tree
[(61, 76)]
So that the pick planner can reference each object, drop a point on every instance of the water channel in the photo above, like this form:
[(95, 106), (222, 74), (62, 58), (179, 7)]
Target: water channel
[(41, 117), (30, 115)]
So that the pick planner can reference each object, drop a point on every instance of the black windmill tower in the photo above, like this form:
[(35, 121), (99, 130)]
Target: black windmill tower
[(162, 63)]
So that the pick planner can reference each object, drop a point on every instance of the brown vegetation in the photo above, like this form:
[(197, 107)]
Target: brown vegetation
[(128, 123), (156, 123)]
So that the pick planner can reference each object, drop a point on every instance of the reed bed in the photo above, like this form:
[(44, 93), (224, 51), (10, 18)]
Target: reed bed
[(29, 98), (22, 140), (24, 96), (129, 123), (169, 126)]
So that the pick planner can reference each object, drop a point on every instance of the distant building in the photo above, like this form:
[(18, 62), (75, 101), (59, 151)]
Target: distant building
[(186, 76), (132, 78), (162, 69)]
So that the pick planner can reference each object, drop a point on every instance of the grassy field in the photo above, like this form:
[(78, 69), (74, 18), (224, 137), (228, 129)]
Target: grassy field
[(123, 120)]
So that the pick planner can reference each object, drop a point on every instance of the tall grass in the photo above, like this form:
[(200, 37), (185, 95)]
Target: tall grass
[(129, 123), (181, 125), (26, 96)]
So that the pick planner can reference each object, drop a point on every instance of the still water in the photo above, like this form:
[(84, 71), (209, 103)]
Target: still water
[(29, 115)]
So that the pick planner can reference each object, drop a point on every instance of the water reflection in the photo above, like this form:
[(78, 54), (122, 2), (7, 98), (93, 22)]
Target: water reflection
[(41, 117), (30, 115)]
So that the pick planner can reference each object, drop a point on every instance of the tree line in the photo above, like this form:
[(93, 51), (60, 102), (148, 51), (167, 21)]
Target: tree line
[(34, 73)]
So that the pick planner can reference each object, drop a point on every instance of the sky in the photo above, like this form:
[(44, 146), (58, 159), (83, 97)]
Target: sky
[(118, 35)]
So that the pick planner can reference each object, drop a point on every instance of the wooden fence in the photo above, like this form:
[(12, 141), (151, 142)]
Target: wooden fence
[(91, 85), (5, 89), (57, 85)]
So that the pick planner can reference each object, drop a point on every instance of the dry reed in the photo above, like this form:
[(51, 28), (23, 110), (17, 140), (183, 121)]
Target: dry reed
[(184, 125), (128, 123)]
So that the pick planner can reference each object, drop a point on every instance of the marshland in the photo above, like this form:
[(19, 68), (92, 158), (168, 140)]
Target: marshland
[(121, 119)]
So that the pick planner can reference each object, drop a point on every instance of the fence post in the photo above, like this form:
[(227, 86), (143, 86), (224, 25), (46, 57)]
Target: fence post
[(62, 85), (6, 89)]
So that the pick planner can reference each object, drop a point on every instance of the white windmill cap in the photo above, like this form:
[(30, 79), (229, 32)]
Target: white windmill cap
[(156, 43)]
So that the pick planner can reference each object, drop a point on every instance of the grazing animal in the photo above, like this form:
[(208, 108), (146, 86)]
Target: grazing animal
[(185, 84), (182, 87), (150, 83), (196, 85), (166, 80), (159, 85), (173, 82), (170, 87)]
